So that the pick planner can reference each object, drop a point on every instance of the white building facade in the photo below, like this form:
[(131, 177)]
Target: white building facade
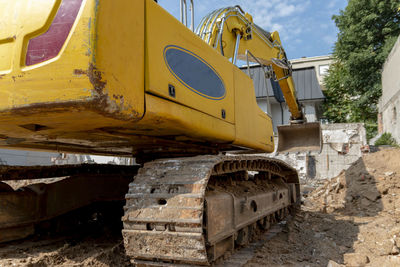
[(389, 104)]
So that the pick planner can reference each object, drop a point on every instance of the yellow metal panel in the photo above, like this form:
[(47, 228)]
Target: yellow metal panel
[(97, 64), (162, 30), (253, 127), (6, 53), (120, 55), (91, 97), (163, 115), (56, 80), (18, 19)]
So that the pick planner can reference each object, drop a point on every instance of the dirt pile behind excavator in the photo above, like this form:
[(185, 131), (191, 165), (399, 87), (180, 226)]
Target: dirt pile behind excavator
[(353, 219)]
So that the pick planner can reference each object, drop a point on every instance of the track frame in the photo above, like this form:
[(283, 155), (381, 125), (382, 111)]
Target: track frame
[(173, 213)]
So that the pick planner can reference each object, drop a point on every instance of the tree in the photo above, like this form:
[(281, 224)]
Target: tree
[(368, 30)]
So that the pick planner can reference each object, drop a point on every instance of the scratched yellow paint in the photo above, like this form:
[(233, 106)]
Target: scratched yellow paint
[(51, 81), (253, 127), (164, 30), (107, 90), (120, 55)]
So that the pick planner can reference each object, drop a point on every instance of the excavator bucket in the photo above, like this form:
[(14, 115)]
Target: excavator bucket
[(299, 137)]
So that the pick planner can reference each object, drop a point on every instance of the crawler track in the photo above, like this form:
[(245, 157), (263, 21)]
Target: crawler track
[(194, 210)]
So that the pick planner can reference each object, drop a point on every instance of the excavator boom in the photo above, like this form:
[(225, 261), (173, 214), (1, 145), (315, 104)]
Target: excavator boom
[(232, 32)]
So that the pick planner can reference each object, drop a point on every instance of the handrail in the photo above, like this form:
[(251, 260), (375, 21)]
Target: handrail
[(183, 10), (235, 53), (191, 15), (247, 53)]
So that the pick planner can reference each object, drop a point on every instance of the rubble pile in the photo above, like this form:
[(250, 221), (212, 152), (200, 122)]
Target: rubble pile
[(352, 220), (368, 187)]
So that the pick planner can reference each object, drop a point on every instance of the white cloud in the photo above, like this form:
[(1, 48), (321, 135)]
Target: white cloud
[(324, 26), (298, 41), (329, 39), (277, 27), (284, 16), (285, 10), (332, 4), (297, 21)]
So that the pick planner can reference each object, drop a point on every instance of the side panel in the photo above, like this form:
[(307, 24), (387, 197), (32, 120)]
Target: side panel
[(253, 127), (182, 123), (100, 63), (202, 78), (52, 81), (65, 101), (120, 56), (117, 56)]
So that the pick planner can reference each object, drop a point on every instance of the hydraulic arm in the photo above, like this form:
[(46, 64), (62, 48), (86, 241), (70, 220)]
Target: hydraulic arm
[(233, 33)]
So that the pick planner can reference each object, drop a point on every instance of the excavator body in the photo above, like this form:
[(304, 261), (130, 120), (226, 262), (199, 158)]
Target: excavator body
[(126, 78), (89, 77)]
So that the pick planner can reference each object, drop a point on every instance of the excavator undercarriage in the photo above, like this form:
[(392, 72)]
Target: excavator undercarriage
[(194, 210), (178, 211)]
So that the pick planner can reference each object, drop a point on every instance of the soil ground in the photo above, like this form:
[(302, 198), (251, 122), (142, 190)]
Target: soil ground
[(353, 219)]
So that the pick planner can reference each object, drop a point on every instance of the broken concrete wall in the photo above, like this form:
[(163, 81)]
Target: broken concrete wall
[(343, 144)]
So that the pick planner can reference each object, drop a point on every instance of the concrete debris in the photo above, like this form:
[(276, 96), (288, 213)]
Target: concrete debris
[(389, 173), (352, 219), (395, 250), (355, 259)]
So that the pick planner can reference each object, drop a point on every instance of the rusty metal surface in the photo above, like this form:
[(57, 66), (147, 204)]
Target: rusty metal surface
[(254, 205), (22, 209), (218, 216), (164, 221), (39, 172)]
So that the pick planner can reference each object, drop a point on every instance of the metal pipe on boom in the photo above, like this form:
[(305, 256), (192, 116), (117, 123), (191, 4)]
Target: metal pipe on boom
[(183, 12), (192, 15)]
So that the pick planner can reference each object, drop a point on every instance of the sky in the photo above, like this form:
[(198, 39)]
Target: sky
[(306, 27)]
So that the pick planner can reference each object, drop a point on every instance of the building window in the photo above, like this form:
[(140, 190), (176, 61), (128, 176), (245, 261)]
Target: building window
[(323, 70)]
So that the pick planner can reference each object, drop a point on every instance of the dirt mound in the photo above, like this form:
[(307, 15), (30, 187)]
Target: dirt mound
[(65, 251), (365, 189), (353, 219)]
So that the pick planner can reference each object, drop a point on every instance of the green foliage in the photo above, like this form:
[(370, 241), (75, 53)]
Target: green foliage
[(368, 30), (386, 139)]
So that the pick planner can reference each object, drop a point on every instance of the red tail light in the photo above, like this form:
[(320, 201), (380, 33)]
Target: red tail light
[(49, 44)]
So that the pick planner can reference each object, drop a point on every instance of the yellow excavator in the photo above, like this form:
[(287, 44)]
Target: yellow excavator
[(126, 78)]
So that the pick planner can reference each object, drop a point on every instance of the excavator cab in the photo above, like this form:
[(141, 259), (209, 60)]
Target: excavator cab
[(302, 137)]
